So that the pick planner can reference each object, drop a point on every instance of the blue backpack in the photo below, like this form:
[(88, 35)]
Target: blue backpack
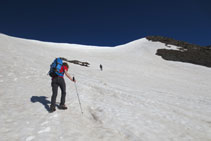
[(55, 68)]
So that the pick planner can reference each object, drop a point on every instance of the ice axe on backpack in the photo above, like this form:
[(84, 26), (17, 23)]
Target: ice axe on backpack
[(77, 94)]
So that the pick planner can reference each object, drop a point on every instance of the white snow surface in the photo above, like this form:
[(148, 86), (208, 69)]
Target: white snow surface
[(137, 97)]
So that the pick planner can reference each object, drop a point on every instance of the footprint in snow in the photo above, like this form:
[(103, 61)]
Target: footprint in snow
[(30, 138), (44, 123), (10, 74), (48, 129), (54, 116)]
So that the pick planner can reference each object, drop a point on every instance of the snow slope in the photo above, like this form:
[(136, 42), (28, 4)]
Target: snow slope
[(137, 97)]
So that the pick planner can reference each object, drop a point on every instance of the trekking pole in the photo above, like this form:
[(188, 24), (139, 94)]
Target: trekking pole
[(77, 95)]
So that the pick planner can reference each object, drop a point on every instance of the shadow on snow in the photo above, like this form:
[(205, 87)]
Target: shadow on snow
[(43, 100)]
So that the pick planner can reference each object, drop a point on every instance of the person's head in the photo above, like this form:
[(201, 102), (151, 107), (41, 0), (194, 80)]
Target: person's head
[(65, 64)]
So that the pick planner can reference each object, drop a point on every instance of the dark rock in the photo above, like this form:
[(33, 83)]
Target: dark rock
[(187, 52), (86, 64)]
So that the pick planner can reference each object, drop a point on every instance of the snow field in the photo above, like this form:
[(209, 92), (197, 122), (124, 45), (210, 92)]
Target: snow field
[(137, 96)]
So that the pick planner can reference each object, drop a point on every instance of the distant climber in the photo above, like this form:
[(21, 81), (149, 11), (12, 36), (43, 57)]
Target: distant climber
[(101, 67), (57, 71)]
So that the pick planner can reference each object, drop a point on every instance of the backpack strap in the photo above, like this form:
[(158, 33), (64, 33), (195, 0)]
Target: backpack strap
[(63, 70), (56, 61)]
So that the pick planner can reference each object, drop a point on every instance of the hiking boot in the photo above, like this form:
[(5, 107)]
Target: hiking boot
[(52, 109), (63, 107)]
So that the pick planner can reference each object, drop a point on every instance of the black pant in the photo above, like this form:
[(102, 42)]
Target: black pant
[(58, 82)]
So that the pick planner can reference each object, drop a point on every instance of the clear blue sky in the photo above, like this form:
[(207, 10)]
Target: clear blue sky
[(106, 22)]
